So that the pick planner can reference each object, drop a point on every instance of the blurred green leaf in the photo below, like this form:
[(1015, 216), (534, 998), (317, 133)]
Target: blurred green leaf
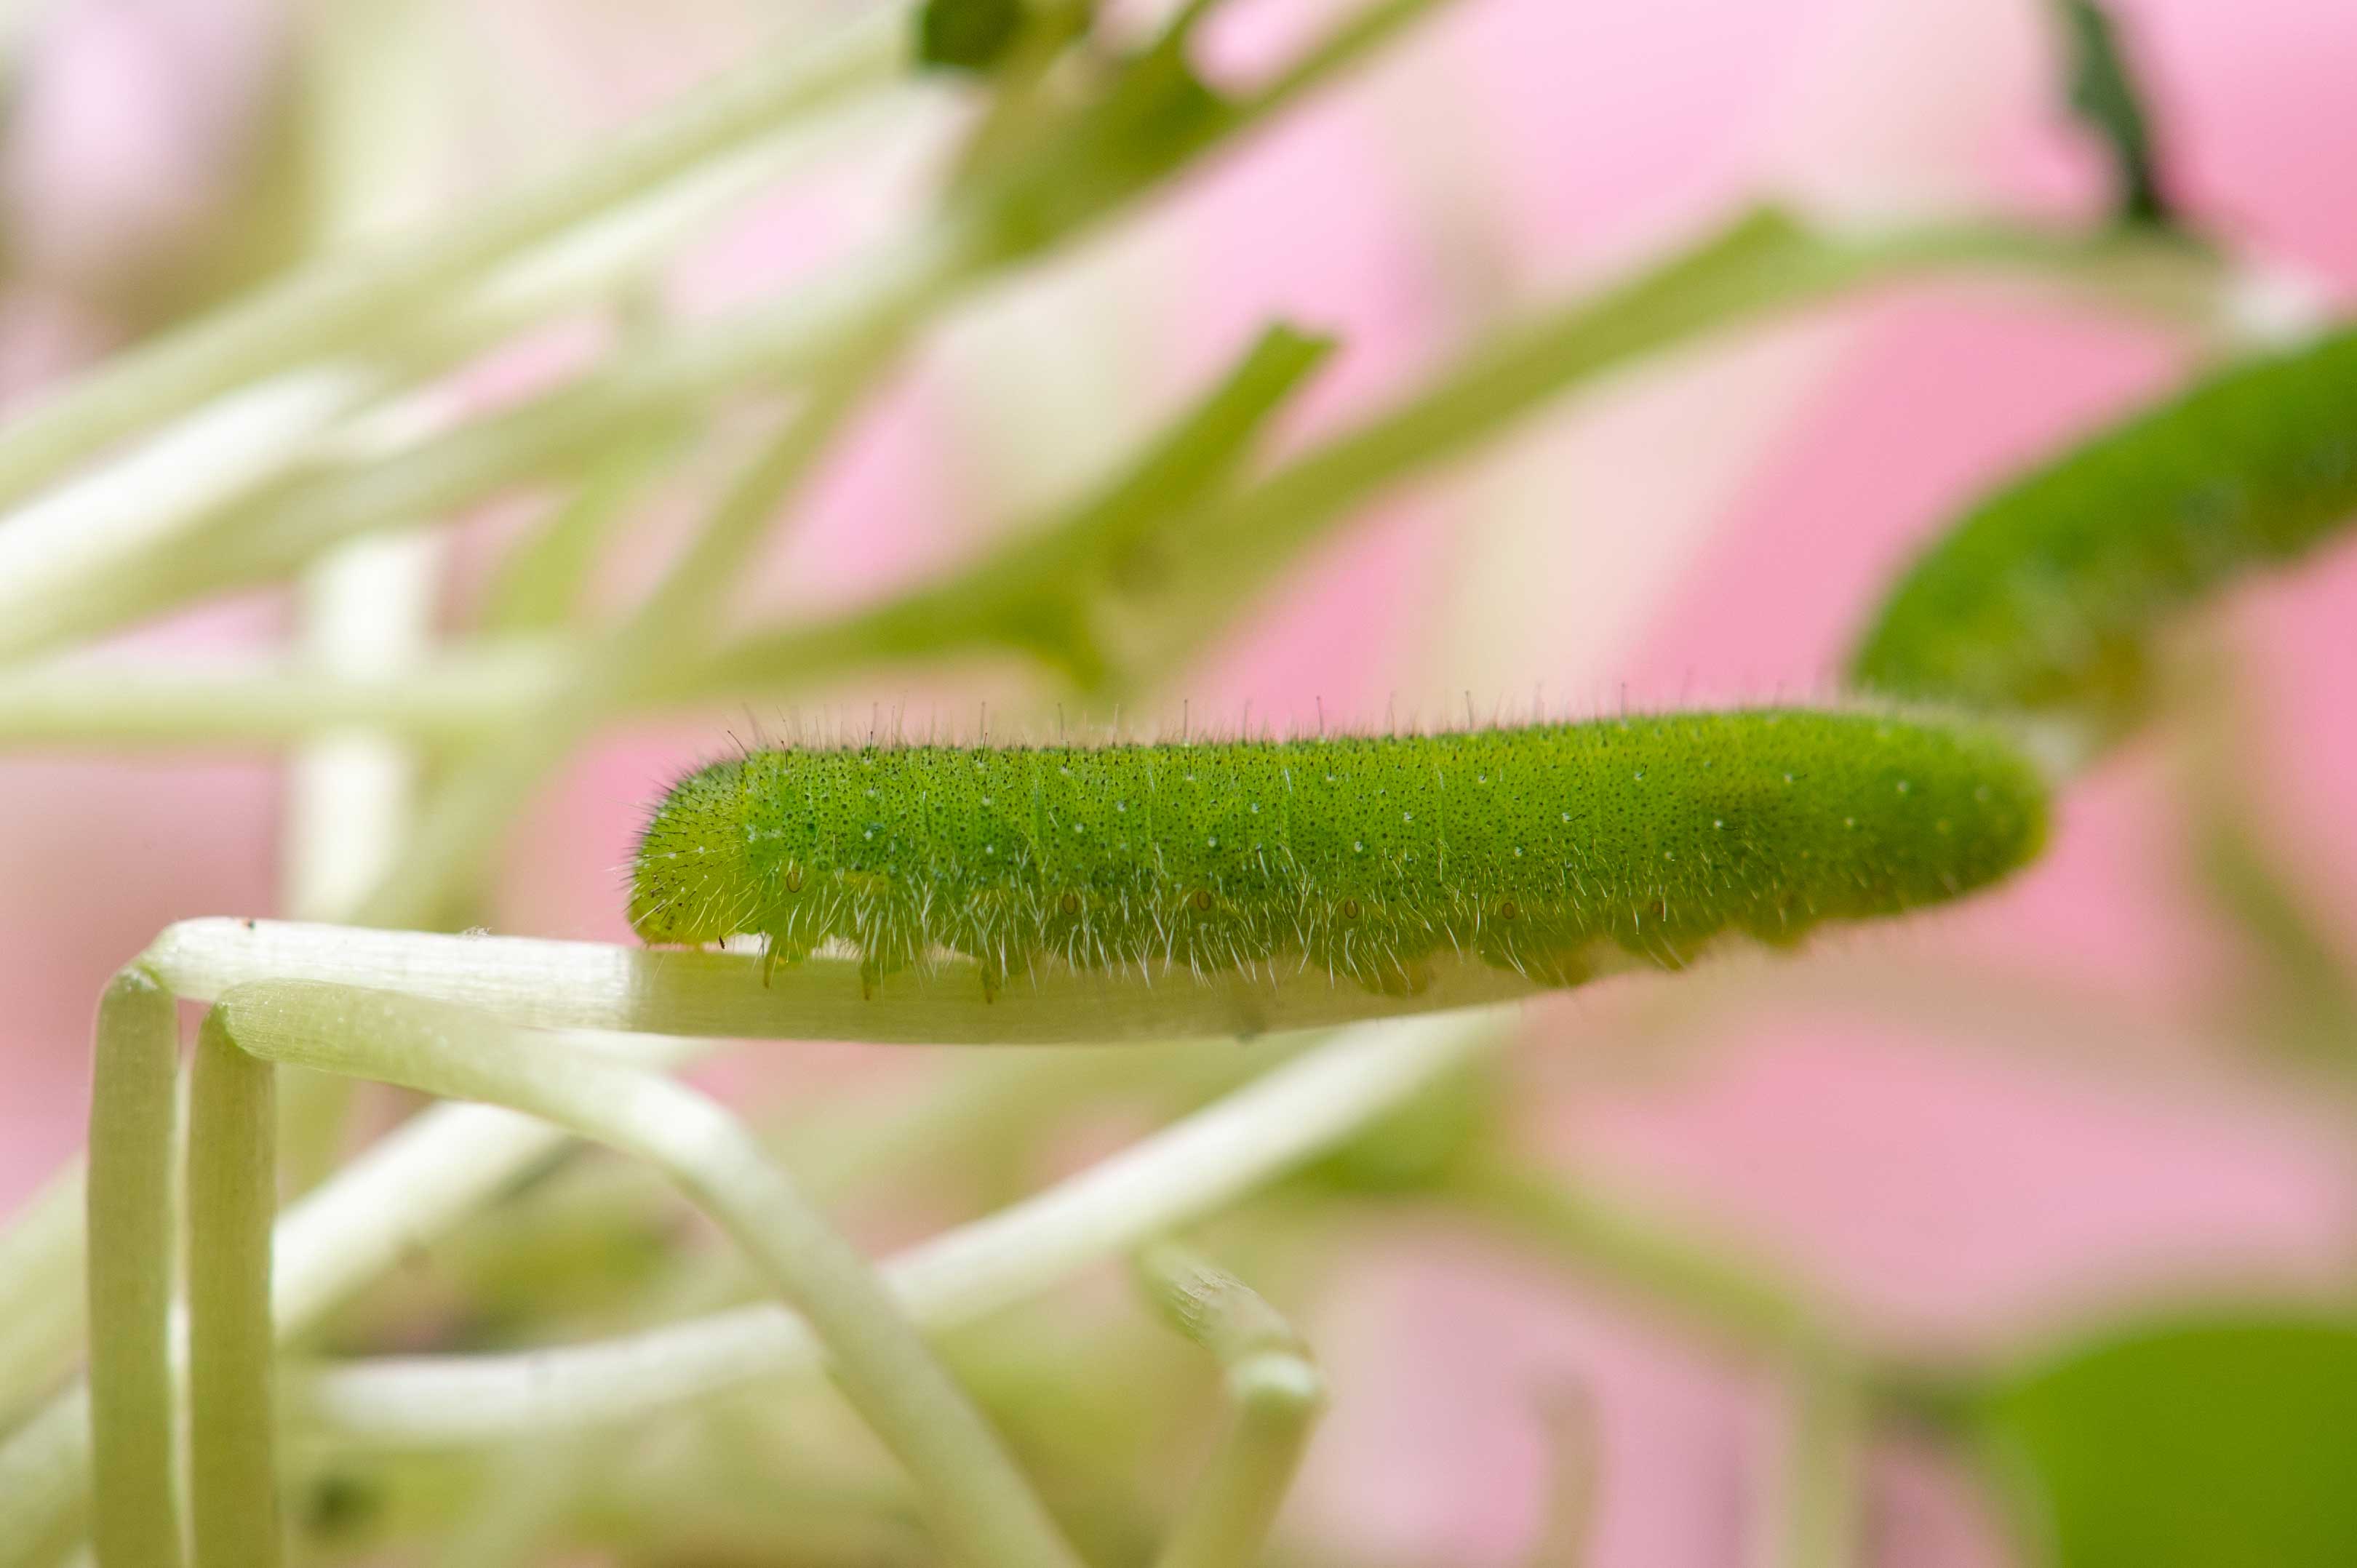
[(967, 35), (2217, 1443), (2105, 96), (2049, 594)]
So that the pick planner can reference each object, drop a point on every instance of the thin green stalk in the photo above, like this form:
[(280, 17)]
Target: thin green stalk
[(347, 300), (1761, 266), (41, 1256), (1220, 553), (1192, 1168), (368, 77), (368, 611), (117, 703), (591, 985), (132, 1140), (260, 538), (457, 830), (1113, 153), (1714, 1282), (1277, 1394), (233, 1198), (542, 584), (405, 1191), (981, 1502), (1047, 592), (1817, 1499), (1212, 558)]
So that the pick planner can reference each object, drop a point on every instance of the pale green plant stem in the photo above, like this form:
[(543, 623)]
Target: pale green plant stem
[(1818, 1500), (1191, 1168), (398, 1196), (991, 1102), (1278, 1393), (368, 610), (133, 1140), (45, 1482), (591, 985), (1717, 1283), (458, 827), (678, 374), (119, 703), (372, 75), (542, 584), (347, 300), (41, 1256), (1223, 548), (93, 551), (1219, 554), (526, 1496), (262, 537), (232, 1413), (981, 1502), (73, 541)]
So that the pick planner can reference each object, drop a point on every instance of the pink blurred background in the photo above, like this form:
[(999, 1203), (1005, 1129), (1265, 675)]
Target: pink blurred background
[(1711, 529)]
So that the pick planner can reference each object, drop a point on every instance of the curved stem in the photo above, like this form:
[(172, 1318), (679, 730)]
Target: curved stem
[(1278, 1393), (981, 1499), (403, 1192), (1189, 1169)]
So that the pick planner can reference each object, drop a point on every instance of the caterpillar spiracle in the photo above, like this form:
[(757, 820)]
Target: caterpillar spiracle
[(1547, 849)]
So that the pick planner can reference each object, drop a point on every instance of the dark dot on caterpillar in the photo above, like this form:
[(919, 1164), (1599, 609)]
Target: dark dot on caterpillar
[(1070, 904), (793, 879), (1201, 898), (1508, 909), (1350, 909)]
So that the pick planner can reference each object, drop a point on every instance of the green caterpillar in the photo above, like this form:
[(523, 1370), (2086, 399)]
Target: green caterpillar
[(1536, 848), (2046, 595)]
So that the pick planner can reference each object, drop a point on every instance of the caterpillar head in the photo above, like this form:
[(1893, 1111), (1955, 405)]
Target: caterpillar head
[(690, 875)]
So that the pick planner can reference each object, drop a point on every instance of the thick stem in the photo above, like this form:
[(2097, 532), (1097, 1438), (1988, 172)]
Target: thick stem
[(553, 985), (980, 1499), (132, 1142), (232, 1197)]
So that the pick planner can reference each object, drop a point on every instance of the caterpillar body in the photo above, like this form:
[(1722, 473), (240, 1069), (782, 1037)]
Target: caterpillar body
[(1537, 848), (2046, 595)]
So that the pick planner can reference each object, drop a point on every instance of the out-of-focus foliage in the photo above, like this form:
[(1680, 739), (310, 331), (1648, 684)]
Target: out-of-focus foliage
[(2105, 94), (2221, 1442), (968, 34), (2047, 595)]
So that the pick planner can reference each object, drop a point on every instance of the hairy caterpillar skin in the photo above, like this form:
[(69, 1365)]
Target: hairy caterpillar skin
[(2045, 595), (1356, 857)]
